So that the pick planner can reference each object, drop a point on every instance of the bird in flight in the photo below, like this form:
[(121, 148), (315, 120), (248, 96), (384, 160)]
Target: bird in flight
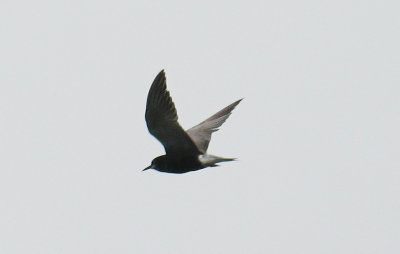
[(185, 150)]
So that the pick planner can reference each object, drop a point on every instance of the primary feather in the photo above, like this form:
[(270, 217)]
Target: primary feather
[(162, 119), (201, 133)]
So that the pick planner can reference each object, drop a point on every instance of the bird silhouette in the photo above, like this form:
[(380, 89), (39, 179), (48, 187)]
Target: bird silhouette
[(185, 150)]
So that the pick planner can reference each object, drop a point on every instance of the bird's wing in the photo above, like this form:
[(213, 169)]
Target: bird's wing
[(201, 133), (162, 119)]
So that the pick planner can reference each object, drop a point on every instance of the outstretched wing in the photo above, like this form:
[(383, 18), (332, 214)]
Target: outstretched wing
[(162, 119), (201, 133)]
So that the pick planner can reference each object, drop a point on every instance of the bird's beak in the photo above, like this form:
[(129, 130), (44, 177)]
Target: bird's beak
[(149, 167)]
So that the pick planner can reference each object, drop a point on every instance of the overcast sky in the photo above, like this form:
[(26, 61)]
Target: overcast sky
[(317, 135)]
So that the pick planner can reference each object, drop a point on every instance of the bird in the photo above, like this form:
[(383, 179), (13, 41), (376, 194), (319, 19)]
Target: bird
[(185, 151)]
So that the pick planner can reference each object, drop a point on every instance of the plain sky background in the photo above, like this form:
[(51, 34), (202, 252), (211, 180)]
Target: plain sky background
[(317, 135)]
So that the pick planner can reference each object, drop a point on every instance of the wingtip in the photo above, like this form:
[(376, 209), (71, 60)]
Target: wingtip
[(236, 103)]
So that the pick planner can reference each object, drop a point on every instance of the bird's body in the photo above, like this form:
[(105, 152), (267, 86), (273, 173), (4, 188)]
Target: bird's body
[(177, 164), (185, 150)]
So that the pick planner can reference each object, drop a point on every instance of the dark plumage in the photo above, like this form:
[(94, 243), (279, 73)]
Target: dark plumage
[(185, 150)]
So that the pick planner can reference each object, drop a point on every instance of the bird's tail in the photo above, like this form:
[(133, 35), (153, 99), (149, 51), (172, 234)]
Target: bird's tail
[(209, 160)]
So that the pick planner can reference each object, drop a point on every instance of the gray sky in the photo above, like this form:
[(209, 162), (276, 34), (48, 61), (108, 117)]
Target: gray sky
[(317, 135)]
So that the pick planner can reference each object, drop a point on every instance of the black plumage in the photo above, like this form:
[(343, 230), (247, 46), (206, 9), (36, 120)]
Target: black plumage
[(185, 150)]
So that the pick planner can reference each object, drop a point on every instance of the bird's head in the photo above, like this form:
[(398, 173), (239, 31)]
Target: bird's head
[(157, 163)]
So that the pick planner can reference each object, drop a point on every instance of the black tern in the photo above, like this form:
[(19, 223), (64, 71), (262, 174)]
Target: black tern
[(185, 150)]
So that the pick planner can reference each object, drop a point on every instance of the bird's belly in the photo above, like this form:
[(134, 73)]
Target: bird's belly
[(182, 165)]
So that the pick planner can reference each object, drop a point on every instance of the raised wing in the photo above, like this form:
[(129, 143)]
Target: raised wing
[(201, 133), (162, 119)]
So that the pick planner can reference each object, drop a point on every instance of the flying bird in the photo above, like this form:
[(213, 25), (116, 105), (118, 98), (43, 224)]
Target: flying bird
[(185, 150)]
